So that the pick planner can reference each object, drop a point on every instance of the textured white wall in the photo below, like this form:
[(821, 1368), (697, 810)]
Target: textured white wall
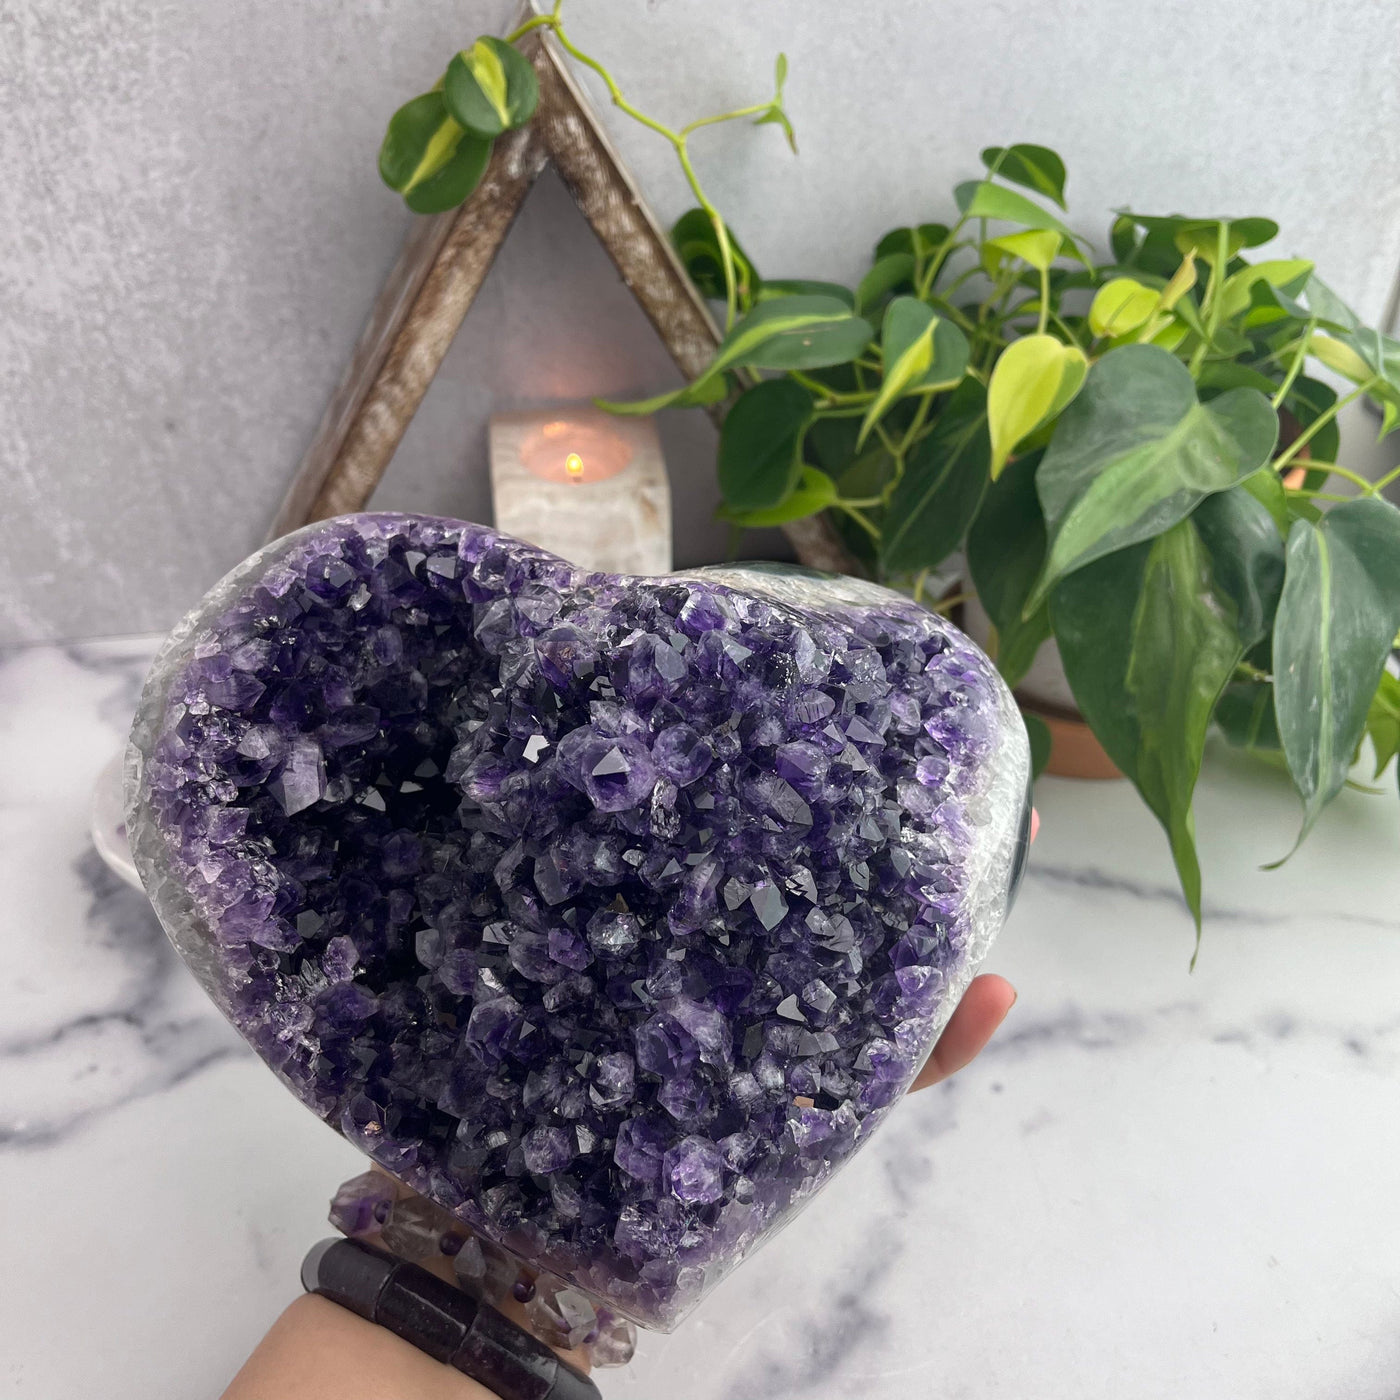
[(192, 231)]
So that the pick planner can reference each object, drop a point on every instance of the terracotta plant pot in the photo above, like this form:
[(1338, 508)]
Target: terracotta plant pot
[(1074, 751)]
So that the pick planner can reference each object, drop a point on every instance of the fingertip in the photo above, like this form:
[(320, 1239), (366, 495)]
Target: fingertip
[(1035, 825)]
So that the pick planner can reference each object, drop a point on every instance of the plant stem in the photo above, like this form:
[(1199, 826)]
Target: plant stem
[(1378, 486), (1317, 425), (1210, 303), (829, 395), (1297, 366), (1333, 469), (935, 262), (1303, 494), (737, 113), (946, 605), (1044, 301), (677, 139), (1251, 673), (860, 519), (535, 22)]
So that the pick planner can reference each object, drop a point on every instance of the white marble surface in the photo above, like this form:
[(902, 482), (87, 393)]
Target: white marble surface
[(1155, 1184)]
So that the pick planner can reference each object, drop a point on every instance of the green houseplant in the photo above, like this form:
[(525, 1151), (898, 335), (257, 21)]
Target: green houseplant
[(1137, 452)]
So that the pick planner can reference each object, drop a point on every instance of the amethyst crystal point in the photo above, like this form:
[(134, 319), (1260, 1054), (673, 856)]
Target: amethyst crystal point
[(609, 914)]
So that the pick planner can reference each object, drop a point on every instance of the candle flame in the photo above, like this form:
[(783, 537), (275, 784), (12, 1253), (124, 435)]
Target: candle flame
[(573, 465)]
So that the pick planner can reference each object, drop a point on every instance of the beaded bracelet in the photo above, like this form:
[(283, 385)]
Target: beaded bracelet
[(442, 1321), (374, 1206)]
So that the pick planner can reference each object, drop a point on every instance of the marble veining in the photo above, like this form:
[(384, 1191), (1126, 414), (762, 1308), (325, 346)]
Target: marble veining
[(1153, 1184)]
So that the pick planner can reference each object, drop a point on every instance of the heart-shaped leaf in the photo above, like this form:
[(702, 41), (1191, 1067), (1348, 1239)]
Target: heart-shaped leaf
[(1246, 549), (1202, 237), (1338, 355), (760, 444), (1337, 620), (1122, 305), (793, 332), (491, 87), (1137, 451), (1383, 721), (1034, 379), (1037, 168), (815, 492), (776, 114), (428, 158), (1005, 551), (981, 199), (695, 239), (892, 271), (1288, 274), (773, 288), (922, 354), (1148, 639), (1038, 247), (942, 486), (918, 242)]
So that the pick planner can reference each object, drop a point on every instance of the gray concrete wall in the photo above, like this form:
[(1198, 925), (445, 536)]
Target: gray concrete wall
[(192, 231)]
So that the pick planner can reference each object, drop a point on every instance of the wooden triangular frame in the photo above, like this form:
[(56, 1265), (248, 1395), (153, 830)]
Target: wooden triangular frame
[(444, 261)]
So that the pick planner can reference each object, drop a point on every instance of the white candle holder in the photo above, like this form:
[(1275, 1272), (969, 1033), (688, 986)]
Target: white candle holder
[(585, 485)]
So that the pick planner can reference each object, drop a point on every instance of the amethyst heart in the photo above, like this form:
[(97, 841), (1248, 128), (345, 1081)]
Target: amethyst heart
[(612, 914)]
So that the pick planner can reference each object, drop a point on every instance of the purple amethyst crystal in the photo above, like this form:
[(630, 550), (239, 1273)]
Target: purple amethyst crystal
[(610, 914)]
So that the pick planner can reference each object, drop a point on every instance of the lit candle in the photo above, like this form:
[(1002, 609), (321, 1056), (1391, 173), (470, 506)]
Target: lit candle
[(586, 486)]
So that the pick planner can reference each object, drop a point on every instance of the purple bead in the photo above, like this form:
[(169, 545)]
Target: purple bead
[(356, 1207)]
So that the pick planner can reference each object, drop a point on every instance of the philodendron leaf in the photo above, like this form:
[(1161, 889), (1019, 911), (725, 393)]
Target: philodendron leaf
[(922, 354), (798, 332), (1136, 452), (491, 87), (942, 485), (815, 492), (1148, 640), (777, 287), (1337, 620), (1037, 168), (1365, 357), (428, 158), (887, 273), (776, 115), (981, 199), (1383, 721), (1201, 237), (695, 239), (1037, 246), (1122, 305), (760, 444), (1286, 273), (1034, 379), (1005, 549), (1246, 550), (917, 242)]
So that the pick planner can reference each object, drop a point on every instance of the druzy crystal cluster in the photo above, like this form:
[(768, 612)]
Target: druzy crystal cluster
[(609, 913)]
